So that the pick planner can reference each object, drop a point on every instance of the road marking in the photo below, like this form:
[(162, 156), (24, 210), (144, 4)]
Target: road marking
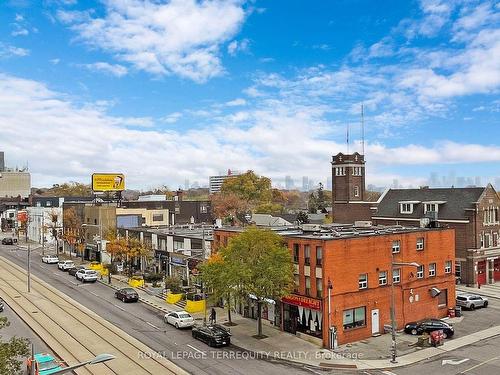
[(121, 308), (386, 372), (43, 267), (152, 325), (198, 350), (95, 294), (479, 364), (453, 362), (72, 282)]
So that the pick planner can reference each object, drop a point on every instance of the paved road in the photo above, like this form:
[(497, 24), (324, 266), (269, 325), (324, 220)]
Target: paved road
[(146, 324)]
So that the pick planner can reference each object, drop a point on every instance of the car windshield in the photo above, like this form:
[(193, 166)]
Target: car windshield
[(184, 316)]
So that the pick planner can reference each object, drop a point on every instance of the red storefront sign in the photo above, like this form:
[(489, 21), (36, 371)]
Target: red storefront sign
[(302, 301)]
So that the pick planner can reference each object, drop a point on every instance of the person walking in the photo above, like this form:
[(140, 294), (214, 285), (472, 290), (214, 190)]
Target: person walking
[(212, 316)]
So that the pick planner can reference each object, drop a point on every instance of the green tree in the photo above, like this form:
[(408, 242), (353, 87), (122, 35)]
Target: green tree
[(219, 276), (249, 187), (264, 266), (11, 351)]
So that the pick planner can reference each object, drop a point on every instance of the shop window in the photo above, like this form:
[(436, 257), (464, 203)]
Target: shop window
[(363, 281), (158, 217), (307, 255), (458, 269), (296, 253), (354, 318), (420, 272), (319, 256), (432, 269), (420, 243), (308, 286), (396, 275), (396, 246), (382, 278)]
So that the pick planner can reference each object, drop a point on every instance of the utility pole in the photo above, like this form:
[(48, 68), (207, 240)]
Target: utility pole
[(29, 270), (43, 233)]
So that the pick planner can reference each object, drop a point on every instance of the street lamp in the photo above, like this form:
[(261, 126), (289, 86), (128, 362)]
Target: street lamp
[(393, 304), (100, 358), (330, 287)]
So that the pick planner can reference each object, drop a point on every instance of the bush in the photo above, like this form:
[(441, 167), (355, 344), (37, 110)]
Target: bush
[(174, 284), (153, 277)]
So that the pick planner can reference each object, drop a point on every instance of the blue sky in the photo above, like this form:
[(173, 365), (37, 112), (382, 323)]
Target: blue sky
[(166, 91)]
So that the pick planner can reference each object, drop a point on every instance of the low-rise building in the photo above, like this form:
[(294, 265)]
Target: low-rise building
[(357, 263), (146, 217)]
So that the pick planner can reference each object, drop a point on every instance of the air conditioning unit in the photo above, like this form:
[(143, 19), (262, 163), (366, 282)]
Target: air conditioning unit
[(424, 222)]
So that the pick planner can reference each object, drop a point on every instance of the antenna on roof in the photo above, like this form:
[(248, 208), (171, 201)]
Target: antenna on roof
[(347, 138), (362, 130)]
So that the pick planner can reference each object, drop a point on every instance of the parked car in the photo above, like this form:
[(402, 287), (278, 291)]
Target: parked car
[(50, 259), (7, 241), (43, 364), (213, 335), (471, 301), (127, 295), (179, 319), (86, 275), (65, 265), (1, 305), (429, 325), (73, 270)]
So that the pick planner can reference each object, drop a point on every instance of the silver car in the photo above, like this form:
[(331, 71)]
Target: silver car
[(471, 301)]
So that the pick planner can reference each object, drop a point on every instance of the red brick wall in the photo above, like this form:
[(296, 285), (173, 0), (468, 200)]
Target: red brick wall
[(348, 213)]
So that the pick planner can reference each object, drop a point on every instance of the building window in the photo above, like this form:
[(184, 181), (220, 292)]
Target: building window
[(319, 288), (354, 318), (487, 241), (340, 171), (382, 278), (420, 243), (481, 240), (203, 209), (158, 217), (458, 269), (308, 286), (420, 272), (396, 246), (296, 283), (363, 281), (356, 191), (307, 255), (447, 266), (406, 208), (432, 269), (296, 253), (396, 275), (319, 256), (48, 203), (356, 171), (430, 207)]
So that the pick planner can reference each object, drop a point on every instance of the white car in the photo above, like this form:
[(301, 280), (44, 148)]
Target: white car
[(179, 319), (50, 259), (86, 275), (65, 265)]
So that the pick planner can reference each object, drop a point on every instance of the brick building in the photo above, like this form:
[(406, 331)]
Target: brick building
[(472, 212), (356, 261), (349, 199)]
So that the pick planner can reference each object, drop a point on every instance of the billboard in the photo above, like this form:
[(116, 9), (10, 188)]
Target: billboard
[(108, 182)]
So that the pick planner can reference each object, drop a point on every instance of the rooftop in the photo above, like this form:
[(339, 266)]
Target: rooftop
[(338, 231)]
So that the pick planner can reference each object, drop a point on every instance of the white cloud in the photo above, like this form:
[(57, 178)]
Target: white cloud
[(55, 61), (179, 37), (172, 118), (236, 102), (236, 47), (7, 51), (114, 69), (20, 32)]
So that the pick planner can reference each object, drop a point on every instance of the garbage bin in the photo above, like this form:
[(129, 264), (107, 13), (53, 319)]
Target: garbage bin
[(451, 313), (458, 311)]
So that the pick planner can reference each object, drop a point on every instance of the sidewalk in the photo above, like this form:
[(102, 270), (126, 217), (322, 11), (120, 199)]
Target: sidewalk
[(372, 353), (487, 290)]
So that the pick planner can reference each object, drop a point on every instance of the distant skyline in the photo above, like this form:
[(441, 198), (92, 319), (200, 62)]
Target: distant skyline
[(169, 91)]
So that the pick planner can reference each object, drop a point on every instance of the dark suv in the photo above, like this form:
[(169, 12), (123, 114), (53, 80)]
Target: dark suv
[(213, 335), (429, 325)]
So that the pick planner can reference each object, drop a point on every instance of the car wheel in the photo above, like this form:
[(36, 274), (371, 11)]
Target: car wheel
[(485, 304), (176, 325), (413, 331), (472, 307), (445, 335), (193, 333)]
